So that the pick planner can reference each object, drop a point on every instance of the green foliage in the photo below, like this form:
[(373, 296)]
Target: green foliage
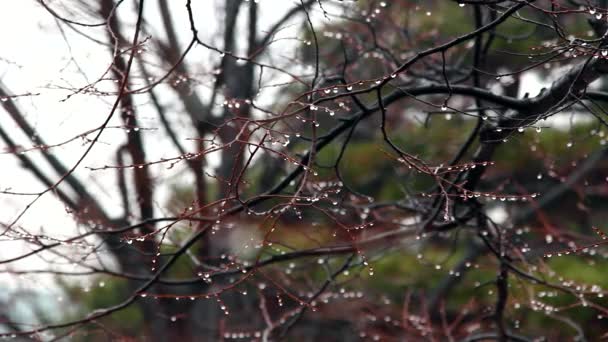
[(446, 18), (522, 150), (130, 320)]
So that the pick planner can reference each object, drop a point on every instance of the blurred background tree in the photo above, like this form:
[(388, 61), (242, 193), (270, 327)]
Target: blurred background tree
[(310, 170)]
